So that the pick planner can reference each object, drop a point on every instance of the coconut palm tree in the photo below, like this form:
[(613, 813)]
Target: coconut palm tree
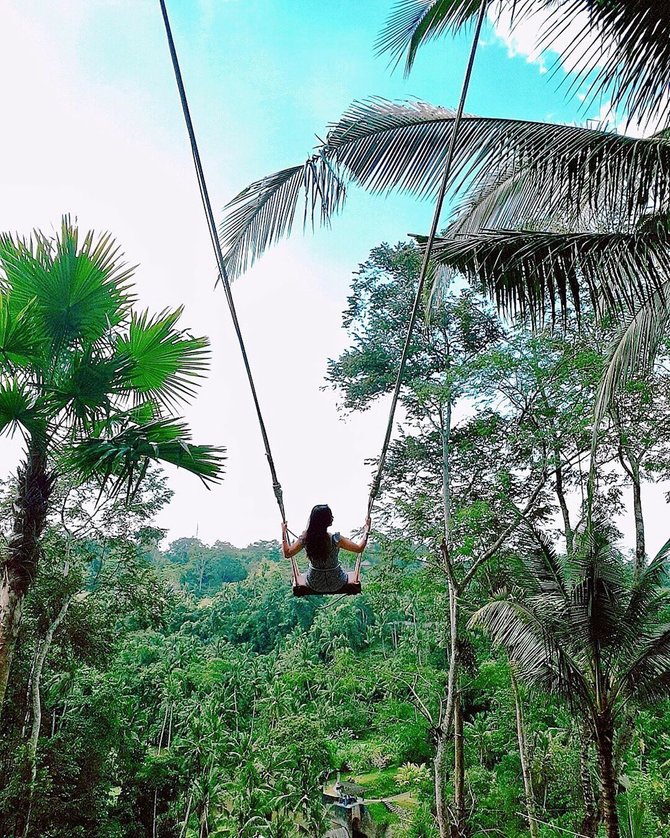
[(547, 213), (573, 209), (589, 630), (90, 384)]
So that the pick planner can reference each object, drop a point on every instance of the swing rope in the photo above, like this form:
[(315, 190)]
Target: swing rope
[(374, 490), (223, 274)]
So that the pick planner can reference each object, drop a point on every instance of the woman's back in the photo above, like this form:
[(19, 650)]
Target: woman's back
[(327, 554), (325, 574)]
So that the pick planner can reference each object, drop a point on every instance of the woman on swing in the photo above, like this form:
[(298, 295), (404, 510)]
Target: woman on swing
[(325, 574)]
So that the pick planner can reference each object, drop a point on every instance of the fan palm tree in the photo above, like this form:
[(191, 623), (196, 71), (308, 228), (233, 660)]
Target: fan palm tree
[(90, 384), (590, 631)]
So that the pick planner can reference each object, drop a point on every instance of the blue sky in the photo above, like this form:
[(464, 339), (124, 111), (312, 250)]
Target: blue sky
[(96, 130)]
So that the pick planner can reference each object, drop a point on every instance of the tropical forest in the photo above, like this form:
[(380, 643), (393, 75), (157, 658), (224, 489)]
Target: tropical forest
[(494, 660)]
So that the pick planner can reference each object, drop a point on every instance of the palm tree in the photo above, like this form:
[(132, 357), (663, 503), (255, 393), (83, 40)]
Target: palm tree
[(89, 383), (587, 629), (552, 210), (622, 49)]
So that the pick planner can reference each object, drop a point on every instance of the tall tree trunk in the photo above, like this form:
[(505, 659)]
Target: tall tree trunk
[(440, 771), (459, 827), (37, 706), (562, 502), (531, 809), (605, 748), (631, 465), (640, 545), (447, 703), (589, 825), (34, 487), (444, 726)]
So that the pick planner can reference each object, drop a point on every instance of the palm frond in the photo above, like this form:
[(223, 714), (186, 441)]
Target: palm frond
[(649, 596), (19, 345), (264, 212), (626, 45), (414, 22), (122, 459), (83, 386), (539, 558), (634, 52), (531, 272), (635, 347), (162, 362), (648, 676), (541, 661), (17, 407), (384, 146), (599, 590), (78, 288)]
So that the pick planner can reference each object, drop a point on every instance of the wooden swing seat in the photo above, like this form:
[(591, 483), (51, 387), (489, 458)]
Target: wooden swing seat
[(350, 588)]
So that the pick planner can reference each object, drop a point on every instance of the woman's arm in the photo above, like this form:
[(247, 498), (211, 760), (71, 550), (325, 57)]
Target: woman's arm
[(290, 550), (357, 546)]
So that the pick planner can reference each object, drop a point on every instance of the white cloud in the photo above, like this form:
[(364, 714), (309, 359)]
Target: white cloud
[(527, 36), (577, 47)]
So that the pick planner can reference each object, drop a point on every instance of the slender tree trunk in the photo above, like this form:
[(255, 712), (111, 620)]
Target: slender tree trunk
[(34, 487), (29, 688), (562, 502), (631, 465), (45, 646), (589, 825), (440, 771), (447, 703), (186, 816), (640, 545), (605, 748), (459, 827), (444, 727), (531, 809)]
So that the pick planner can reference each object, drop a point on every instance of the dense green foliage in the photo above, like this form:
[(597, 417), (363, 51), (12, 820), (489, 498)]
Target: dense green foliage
[(184, 692)]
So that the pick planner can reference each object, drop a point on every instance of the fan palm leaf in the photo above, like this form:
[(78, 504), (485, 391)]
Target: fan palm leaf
[(122, 457), (17, 408), (626, 43), (19, 345), (384, 146), (162, 362), (78, 289)]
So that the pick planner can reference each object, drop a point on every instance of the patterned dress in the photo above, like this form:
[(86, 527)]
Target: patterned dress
[(325, 575)]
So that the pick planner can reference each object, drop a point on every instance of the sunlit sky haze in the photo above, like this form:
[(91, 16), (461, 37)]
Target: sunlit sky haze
[(93, 128)]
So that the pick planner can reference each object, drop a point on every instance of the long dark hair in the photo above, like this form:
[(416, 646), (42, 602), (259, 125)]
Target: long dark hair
[(317, 540)]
